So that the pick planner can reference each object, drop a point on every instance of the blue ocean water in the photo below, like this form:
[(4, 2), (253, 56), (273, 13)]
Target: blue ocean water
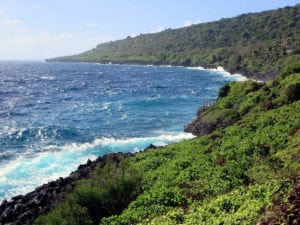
[(55, 116)]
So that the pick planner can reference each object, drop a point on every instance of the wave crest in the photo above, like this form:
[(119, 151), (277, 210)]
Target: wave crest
[(59, 161), (223, 72)]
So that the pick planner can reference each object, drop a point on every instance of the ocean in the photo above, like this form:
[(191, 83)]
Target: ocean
[(55, 116)]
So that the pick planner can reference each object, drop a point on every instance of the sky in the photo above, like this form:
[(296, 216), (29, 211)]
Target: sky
[(40, 29)]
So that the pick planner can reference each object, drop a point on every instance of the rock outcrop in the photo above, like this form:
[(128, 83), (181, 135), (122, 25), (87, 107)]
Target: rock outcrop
[(199, 127)]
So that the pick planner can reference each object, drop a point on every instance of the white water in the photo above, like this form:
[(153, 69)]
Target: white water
[(223, 72), (24, 173)]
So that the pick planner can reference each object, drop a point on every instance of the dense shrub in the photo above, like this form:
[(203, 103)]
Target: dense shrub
[(290, 69), (224, 91), (293, 92), (267, 105), (114, 186)]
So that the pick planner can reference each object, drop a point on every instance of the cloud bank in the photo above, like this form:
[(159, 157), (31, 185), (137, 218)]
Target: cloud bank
[(20, 42), (46, 45)]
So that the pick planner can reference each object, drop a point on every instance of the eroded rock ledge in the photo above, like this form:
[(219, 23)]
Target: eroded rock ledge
[(199, 127), (203, 126)]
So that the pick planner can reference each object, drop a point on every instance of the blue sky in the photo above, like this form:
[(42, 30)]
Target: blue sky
[(39, 29)]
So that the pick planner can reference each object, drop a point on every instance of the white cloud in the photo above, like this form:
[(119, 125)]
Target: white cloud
[(134, 35), (12, 22), (25, 29), (159, 29), (36, 6), (189, 22), (90, 24), (44, 45)]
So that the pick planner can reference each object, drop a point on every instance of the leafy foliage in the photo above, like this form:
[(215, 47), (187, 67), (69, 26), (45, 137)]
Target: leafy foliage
[(111, 189), (290, 69)]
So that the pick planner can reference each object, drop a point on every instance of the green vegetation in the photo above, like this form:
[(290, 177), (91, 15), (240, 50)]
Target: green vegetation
[(244, 170), (240, 174), (112, 188), (252, 44)]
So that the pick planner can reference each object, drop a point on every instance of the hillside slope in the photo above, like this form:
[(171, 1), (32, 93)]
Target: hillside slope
[(245, 173), (254, 44)]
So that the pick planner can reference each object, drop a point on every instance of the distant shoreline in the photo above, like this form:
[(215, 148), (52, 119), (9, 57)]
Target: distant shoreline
[(249, 75)]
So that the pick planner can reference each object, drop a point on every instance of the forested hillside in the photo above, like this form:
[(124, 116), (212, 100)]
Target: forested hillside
[(255, 44)]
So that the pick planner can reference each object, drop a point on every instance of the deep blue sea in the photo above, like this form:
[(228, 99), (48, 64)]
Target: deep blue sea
[(55, 116)]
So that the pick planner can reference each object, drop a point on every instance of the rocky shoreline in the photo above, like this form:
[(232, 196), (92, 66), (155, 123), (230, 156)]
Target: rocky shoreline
[(24, 209), (250, 75)]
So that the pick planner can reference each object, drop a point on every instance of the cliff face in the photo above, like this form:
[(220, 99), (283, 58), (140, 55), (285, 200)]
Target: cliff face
[(226, 111), (200, 126)]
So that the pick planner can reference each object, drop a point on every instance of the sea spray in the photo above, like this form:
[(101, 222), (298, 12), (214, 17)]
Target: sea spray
[(24, 173), (223, 72)]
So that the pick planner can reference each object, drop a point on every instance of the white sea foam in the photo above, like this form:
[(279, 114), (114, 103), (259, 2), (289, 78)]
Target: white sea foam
[(26, 172), (106, 107), (223, 72), (47, 78)]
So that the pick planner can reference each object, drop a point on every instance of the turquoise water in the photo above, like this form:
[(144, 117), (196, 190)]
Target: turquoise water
[(55, 116)]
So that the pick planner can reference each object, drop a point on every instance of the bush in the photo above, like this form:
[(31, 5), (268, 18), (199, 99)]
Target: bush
[(69, 213), (290, 69), (267, 105), (114, 186), (224, 91), (293, 92)]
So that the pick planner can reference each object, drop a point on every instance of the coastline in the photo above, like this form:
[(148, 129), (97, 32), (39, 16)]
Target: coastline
[(48, 195), (225, 73), (255, 76), (220, 70)]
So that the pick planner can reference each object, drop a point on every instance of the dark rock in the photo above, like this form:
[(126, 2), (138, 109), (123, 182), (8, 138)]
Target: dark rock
[(43, 199), (26, 216), (89, 162), (151, 146), (3, 205), (199, 127), (68, 188), (51, 184), (19, 208), (17, 198)]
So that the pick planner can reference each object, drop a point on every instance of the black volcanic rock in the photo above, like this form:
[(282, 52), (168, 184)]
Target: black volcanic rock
[(200, 127)]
